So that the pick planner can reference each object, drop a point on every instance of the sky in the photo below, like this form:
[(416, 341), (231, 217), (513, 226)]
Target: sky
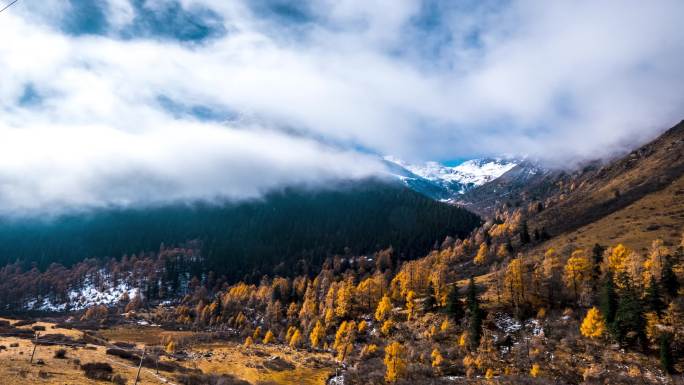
[(120, 102)]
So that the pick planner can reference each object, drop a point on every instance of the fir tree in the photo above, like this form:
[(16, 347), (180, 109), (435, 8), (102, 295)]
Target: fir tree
[(596, 260), (430, 301), (652, 297), (665, 353), (454, 308), (608, 299), (628, 325), (668, 279), (474, 316), (524, 234)]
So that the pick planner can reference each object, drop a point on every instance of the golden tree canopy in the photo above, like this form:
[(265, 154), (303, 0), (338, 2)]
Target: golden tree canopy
[(593, 326), (384, 309), (394, 362), (481, 256)]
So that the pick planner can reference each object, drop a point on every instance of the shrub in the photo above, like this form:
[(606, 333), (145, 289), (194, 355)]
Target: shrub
[(60, 353), (97, 370), (119, 379)]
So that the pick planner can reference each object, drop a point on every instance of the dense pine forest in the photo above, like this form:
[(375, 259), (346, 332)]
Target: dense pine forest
[(286, 232)]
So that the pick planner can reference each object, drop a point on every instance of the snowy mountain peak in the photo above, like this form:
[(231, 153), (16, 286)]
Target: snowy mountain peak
[(452, 180)]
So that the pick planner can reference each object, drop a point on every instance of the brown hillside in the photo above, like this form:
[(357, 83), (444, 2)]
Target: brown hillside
[(574, 200), (658, 215)]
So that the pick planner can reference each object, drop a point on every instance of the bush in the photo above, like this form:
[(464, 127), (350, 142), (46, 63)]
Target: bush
[(209, 379), (60, 353), (38, 328), (119, 379), (98, 370)]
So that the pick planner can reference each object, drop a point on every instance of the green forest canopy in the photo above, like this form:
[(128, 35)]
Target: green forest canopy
[(240, 239)]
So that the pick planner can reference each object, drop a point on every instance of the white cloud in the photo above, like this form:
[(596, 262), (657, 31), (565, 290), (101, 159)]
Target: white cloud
[(561, 81)]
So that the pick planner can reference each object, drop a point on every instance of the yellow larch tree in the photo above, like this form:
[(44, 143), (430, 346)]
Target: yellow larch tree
[(384, 309), (386, 327), (317, 334), (437, 358), (653, 266), (502, 251), (552, 271), (535, 371), (309, 306), (652, 326), (618, 257), (395, 362), (363, 325), (344, 340), (577, 272), (514, 281), (170, 347), (481, 256), (268, 338), (296, 339), (410, 304), (248, 342), (594, 325), (344, 300)]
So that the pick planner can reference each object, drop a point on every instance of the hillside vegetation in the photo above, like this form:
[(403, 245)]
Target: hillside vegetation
[(287, 232), (570, 286)]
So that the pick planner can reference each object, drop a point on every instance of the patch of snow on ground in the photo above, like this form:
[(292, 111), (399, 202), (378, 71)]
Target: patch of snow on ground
[(336, 380), (84, 297), (506, 323), (535, 326)]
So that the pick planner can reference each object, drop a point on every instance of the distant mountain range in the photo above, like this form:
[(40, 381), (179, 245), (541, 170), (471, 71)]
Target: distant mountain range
[(447, 183)]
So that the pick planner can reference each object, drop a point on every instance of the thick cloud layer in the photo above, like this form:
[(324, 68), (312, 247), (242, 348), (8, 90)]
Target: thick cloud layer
[(142, 101)]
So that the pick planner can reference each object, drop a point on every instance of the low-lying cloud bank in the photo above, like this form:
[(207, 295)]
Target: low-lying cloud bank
[(135, 102)]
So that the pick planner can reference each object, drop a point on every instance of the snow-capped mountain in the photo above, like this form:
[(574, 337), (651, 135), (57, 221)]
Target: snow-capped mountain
[(445, 182)]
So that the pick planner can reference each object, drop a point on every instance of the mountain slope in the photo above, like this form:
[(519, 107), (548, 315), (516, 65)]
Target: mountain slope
[(258, 237), (444, 182), (572, 200)]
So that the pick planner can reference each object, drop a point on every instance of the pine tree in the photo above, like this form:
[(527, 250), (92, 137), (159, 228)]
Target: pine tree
[(596, 260), (430, 301), (654, 301), (608, 299), (669, 279), (629, 323), (454, 308), (665, 353), (524, 233), (474, 316)]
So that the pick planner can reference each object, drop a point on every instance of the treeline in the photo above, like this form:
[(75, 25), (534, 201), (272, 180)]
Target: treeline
[(287, 233)]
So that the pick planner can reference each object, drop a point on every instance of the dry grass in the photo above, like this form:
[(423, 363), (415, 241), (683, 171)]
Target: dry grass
[(15, 368), (225, 358), (248, 364), (656, 215)]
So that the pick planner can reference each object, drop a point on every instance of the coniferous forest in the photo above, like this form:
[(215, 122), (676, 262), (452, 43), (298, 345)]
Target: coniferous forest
[(286, 232)]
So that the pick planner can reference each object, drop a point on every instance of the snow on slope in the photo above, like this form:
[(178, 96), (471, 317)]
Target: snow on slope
[(85, 296), (458, 179)]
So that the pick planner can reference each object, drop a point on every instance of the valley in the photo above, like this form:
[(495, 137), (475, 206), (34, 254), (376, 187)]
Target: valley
[(543, 291)]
